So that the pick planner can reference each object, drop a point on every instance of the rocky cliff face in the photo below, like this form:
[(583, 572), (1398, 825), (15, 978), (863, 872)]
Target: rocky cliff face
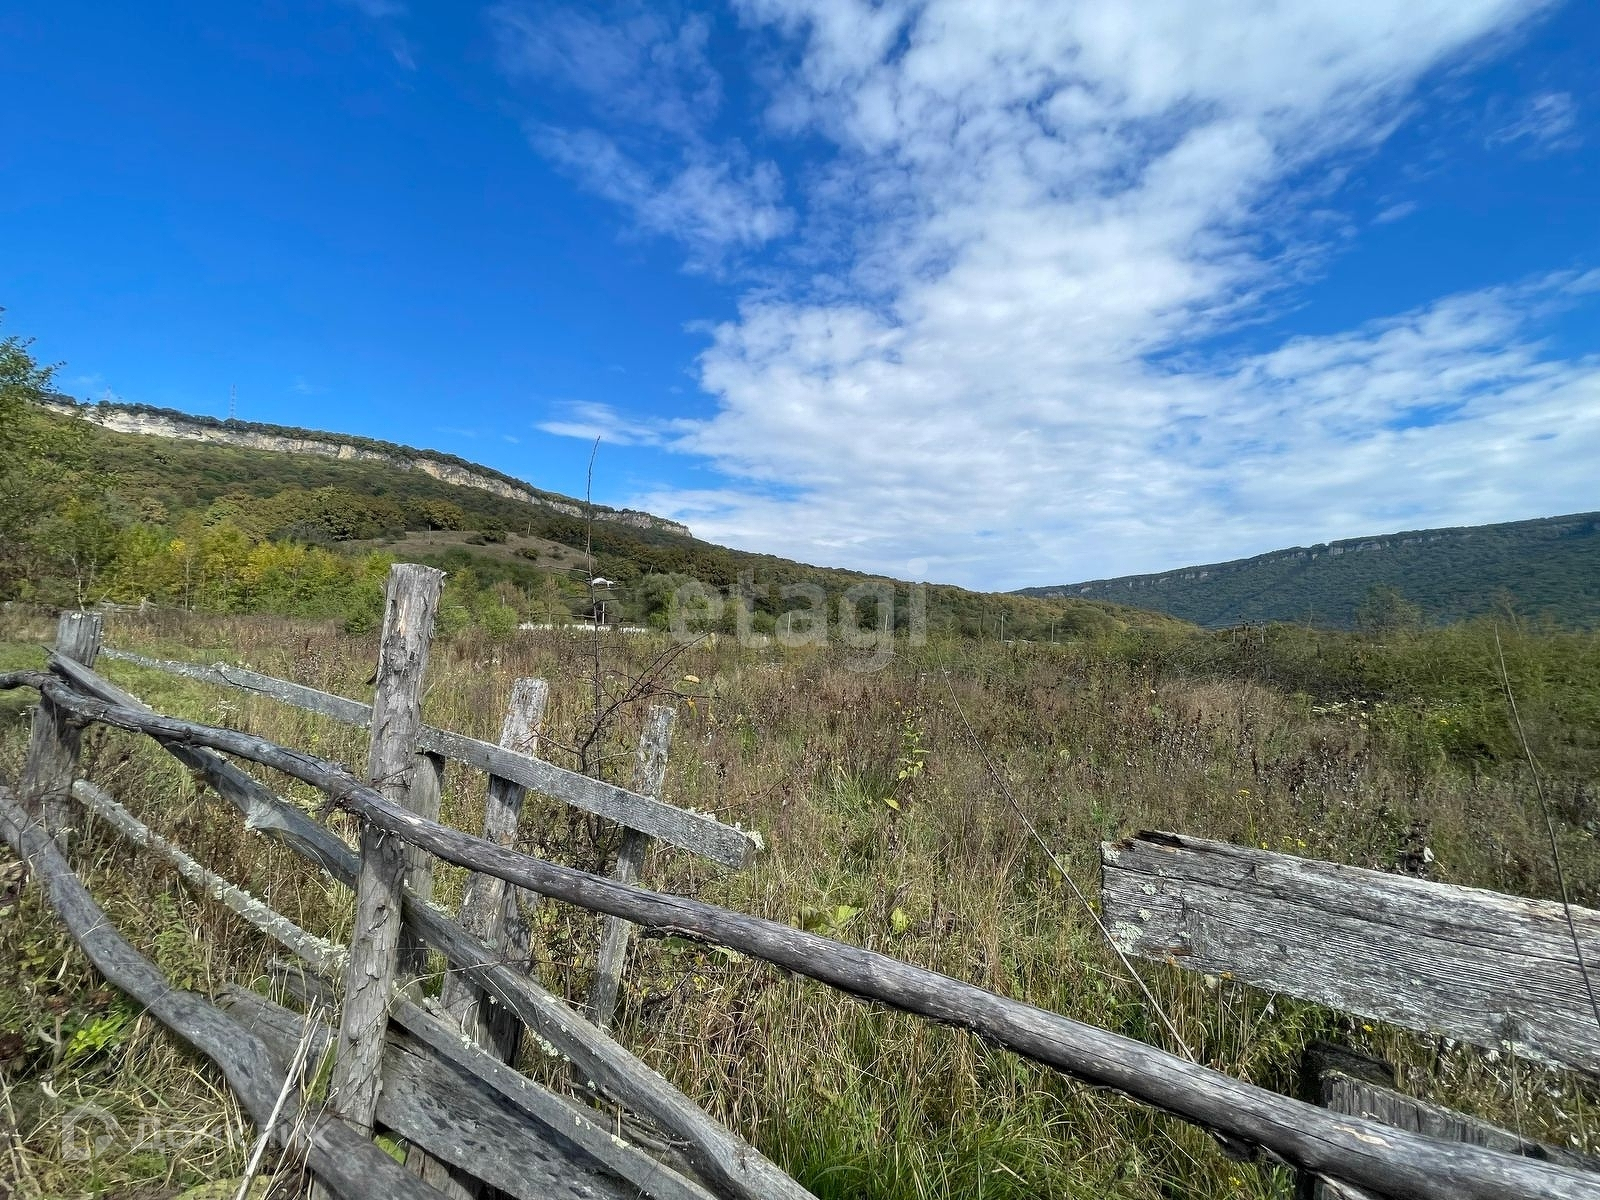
[(149, 424)]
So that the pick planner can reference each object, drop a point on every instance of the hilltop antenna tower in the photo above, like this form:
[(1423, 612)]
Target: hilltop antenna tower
[(233, 401)]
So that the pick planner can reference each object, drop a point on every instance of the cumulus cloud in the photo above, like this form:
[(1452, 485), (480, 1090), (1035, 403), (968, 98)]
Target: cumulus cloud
[(997, 361), (1051, 209)]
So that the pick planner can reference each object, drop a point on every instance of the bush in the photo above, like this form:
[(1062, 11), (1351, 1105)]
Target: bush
[(499, 621)]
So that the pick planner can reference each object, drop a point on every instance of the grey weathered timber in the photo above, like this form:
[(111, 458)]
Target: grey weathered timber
[(413, 596), (649, 776), (435, 1108), (348, 1164), (463, 1068), (350, 712), (324, 955), (1349, 1149), (488, 907), (427, 787), (704, 835), (1498, 971), (1340, 1092), (261, 809), (731, 1166), (511, 1133), (53, 741)]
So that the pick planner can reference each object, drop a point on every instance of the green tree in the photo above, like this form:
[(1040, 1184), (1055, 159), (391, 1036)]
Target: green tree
[(42, 466), (1386, 610), (82, 541)]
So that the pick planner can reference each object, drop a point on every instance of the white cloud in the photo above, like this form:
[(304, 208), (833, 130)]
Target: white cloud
[(710, 206), (1546, 122), (644, 72), (586, 420), (1396, 212), (1035, 216), (642, 68)]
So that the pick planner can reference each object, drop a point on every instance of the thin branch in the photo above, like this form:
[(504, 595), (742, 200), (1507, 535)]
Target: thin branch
[(594, 609)]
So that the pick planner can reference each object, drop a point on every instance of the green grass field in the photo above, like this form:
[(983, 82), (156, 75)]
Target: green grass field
[(885, 830)]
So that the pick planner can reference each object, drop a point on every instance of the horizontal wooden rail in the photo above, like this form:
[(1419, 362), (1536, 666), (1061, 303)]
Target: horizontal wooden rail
[(1498, 971), (1364, 1153), (697, 832), (351, 1165), (548, 1112), (718, 1155)]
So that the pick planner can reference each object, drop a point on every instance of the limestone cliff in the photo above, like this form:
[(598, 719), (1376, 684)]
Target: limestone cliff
[(149, 422)]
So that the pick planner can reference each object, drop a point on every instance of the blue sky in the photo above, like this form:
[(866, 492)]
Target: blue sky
[(993, 293)]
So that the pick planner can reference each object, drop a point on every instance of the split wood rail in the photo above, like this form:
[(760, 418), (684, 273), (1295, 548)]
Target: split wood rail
[(540, 1144)]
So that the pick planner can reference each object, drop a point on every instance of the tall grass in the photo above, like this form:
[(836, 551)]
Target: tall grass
[(884, 829)]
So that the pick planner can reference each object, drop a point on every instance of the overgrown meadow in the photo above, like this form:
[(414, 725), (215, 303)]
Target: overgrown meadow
[(885, 828)]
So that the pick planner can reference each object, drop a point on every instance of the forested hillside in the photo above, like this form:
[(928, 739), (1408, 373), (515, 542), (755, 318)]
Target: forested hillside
[(1547, 568), (91, 515)]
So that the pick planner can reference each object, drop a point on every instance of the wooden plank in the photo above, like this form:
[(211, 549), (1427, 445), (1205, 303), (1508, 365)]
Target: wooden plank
[(435, 1108), (1350, 1149), (485, 909), (489, 907), (1498, 971), (1362, 1098), (53, 742), (324, 955), (413, 596), (1341, 1092), (512, 1134), (466, 1066), (348, 1164), (697, 832), (261, 809), (649, 776), (427, 788), (720, 1157), (350, 712)]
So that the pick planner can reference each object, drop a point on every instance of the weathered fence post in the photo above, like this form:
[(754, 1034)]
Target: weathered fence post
[(427, 786), (649, 773), (413, 597), (53, 742), (488, 910)]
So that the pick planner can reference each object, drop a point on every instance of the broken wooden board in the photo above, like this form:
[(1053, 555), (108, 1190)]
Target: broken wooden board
[(1494, 970), (462, 1119), (1343, 1093)]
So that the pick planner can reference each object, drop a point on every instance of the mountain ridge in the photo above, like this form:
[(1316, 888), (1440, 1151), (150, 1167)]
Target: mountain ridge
[(147, 420), (1550, 565), (223, 516)]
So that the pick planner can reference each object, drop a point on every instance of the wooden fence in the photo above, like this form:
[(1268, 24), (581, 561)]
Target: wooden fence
[(497, 1127), (1499, 971)]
